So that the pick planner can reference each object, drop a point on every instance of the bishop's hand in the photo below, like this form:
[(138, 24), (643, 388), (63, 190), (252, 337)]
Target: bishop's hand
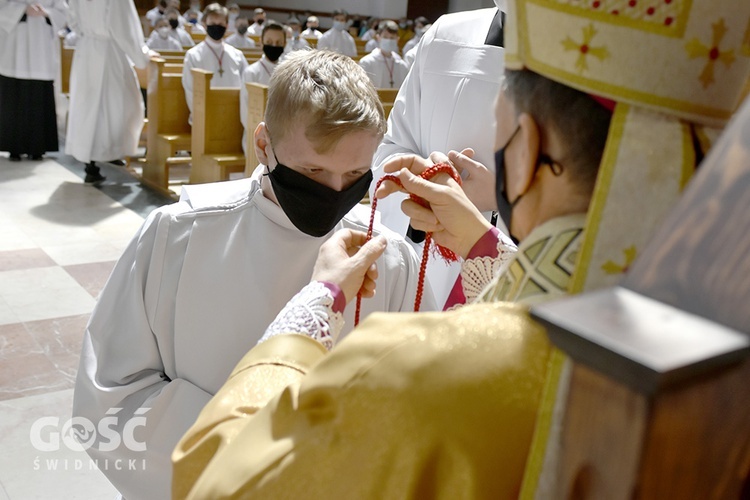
[(451, 217)]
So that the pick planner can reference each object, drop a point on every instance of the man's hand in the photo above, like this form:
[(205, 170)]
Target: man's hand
[(36, 10), (348, 260), (478, 181), (451, 217)]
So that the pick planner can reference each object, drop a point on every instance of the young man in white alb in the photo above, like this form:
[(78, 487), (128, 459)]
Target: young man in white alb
[(212, 54), (337, 38), (386, 69)]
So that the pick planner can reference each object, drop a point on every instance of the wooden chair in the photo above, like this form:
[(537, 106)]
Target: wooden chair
[(168, 127), (217, 131), (658, 401), (257, 96)]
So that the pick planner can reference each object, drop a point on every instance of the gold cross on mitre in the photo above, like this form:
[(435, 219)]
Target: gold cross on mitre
[(696, 48), (585, 49)]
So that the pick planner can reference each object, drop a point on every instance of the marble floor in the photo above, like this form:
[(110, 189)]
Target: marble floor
[(59, 240)]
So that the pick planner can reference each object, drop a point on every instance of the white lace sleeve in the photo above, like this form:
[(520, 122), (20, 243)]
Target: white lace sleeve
[(479, 272), (310, 313)]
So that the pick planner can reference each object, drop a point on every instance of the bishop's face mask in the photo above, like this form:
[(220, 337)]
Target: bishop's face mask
[(313, 208), (504, 205)]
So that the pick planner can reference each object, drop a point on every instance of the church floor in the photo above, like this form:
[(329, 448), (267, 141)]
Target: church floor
[(59, 240)]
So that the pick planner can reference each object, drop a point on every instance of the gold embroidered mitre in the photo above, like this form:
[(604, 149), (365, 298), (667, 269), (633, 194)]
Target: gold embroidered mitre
[(685, 58)]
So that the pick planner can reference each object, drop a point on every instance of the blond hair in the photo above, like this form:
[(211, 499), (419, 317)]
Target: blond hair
[(329, 92), (216, 9)]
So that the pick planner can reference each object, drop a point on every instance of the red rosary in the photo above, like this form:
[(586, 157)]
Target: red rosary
[(446, 253)]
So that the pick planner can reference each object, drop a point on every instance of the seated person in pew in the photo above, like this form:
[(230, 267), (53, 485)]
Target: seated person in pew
[(203, 278), (383, 65), (239, 38), (193, 17), (294, 39), (234, 13), (154, 14), (311, 28), (338, 38), (160, 39), (259, 19), (273, 39), (413, 405), (177, 31), (224, 61), (421, 24)]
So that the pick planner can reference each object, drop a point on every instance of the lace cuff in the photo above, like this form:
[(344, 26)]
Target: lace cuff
[(479, 268), (310, 312)]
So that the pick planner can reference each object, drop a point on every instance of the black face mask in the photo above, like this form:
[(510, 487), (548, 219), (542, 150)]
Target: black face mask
[(174, 23), (504, 206), (216, 31), (273, 53), (313, 208), (242, 30), (260, 21)]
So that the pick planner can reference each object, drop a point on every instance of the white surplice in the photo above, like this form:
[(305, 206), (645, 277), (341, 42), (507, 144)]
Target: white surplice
[(157, 42), (446, 102), (240, 41), (30, 50), (384, 70), (338, 41), (106, 106), (193, 292)]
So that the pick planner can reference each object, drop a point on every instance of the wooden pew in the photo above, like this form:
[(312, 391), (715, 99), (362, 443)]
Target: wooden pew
[(387, 98), (312, 41), (257, 96), (360, 46), (168, 128), (217, 131), (66, 62)]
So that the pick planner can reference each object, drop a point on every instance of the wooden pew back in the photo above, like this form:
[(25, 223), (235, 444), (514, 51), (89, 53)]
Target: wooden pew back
[(217, 130), (66, 63), (168, 127), (257, 96), (387, 98)]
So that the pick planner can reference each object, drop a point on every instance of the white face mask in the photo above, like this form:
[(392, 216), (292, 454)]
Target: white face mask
[(388, 45), (163, 31), (419, 31), (339, 25)]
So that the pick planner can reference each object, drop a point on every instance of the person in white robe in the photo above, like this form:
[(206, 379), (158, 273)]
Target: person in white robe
[(295, 41), (455, 98), (383, 65), (239, 38), (337, 38), (372, 29), (154, 14), (193, 19), (29, 64), (311, 29), (204, 277), (225, 62), (177, 31), (106, 106), (259, 20), (160, 39), (234, 13), (410, 56), (421, 25), (274, 39)]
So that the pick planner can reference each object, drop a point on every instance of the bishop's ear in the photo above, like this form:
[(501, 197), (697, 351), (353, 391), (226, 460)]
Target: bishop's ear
[(261, 142), (526, 153)]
